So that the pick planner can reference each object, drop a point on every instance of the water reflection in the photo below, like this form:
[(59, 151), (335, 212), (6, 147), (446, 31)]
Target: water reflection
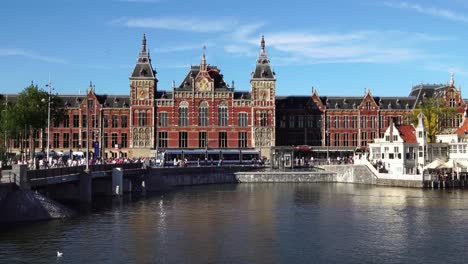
[(255, 223)]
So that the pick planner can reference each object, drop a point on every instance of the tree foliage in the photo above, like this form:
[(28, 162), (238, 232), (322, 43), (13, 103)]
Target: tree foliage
[(435, 110), (29, 113)]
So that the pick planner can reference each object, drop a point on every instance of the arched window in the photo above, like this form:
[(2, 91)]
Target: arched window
[(142, 118), (222, 114), (203, 114), (263, 118), (183, 113)]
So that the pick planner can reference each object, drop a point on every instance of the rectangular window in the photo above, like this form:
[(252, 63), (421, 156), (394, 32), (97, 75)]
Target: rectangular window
[(337, 139), (354, 122), (76, 120), (202, 139), (363, 138), (387, 138), (55, 143), (142, 118), (345, 122), (106, 121), (123, 142), (114, 141), (94, 120), (106, 140), (395, 137), (291, 121), (372, 124), (363, 121), (337, 122), (381, 121), (222, 116), (124, 121), (420, 134), (66, 140), (183, 138), (242, 119), (84, 139), (163, 119), (162, 138), (242, 139), (84, 119), (345, 139), (327, 122), (355, 139), (183, 116), (222, 139), (115, 122), (66, 121), (203, 116), (300, 121), (264, 118), (76, 140), (310, 121), (283, 121)]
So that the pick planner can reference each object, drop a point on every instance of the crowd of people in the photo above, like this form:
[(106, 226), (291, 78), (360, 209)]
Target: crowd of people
[(58, 162)]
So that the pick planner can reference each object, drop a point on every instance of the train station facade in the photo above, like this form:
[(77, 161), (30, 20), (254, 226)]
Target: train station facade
[(203, 111)]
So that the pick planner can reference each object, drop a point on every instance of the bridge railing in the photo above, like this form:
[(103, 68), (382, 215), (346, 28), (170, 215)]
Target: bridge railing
[(55, 172)]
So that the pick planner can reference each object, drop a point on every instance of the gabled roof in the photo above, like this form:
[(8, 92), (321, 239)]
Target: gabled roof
[(407, 133), (463, 129), (213, 71)]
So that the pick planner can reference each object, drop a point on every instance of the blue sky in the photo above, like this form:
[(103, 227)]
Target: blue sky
[(341, 47)]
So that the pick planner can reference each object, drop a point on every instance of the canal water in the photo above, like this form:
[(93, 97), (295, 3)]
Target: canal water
[(256, 223)]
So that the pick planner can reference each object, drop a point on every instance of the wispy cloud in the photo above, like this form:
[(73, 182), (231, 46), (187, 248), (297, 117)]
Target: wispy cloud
[(181, 48), (301, 48), (29, 54), (447, 68), (432, 11), (193, 24)]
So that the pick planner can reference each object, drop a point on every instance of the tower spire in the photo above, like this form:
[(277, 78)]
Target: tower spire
[(143, 43), (452, 80), (262, 44), (203, 60)]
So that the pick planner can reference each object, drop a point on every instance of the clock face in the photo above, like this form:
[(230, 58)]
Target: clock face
[(264, 94), (203, 85), (142, 93)]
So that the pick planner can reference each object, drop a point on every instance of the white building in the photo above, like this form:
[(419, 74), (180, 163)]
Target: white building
[(404, 149)]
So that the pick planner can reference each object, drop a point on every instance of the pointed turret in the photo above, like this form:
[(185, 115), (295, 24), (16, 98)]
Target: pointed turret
[(143, 67), (452, 80), (263, 68), (203, 61)]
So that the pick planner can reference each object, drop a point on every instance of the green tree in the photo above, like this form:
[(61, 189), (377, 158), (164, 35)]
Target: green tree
[(435, 111), (7, 127), (30, 113)]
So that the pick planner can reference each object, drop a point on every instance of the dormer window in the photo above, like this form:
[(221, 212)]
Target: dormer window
[(143, 72), (368, 105), (264, 74)]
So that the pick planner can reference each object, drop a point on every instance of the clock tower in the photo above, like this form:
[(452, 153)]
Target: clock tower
[(143, 86), (262, 88)]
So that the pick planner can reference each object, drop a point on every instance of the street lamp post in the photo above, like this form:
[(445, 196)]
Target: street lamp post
[(327, 141), (87, 133), (48, 119)]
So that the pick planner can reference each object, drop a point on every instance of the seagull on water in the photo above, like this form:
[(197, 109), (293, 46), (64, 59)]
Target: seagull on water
[(59, 254)]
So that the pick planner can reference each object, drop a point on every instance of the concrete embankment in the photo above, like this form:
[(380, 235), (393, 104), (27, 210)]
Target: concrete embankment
[(21, 206), (165, 178)]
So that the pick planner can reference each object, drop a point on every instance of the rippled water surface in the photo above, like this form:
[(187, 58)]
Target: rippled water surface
[(256, 223)]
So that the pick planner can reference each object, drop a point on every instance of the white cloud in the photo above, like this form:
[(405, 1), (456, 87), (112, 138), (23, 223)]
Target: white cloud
[(180, 23), (446, 68), (432, 11), (30, 54)]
